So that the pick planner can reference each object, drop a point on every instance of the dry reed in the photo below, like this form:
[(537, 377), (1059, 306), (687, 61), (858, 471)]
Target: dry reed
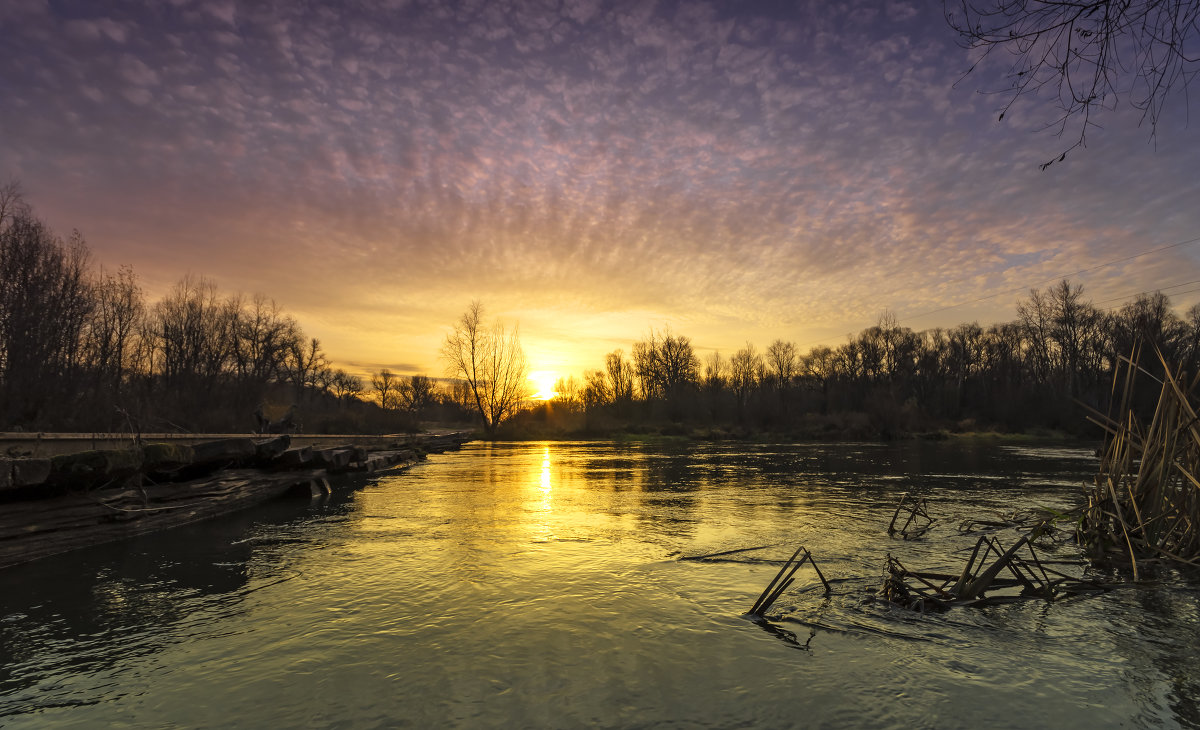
[(1145, 502), (783, 580), (918, 522)]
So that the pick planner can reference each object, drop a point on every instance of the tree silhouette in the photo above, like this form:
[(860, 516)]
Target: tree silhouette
[(1089, 54), (491, 362)]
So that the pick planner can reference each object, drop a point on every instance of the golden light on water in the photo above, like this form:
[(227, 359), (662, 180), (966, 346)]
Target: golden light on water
[(546, 478), (540, 505)]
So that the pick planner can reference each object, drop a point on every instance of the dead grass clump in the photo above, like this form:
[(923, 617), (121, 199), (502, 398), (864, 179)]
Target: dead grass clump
[(991, 575), (917, 520), (1145, 502)]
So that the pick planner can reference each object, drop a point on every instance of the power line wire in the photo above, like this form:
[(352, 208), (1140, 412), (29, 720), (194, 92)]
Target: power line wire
[(1115, 307), (1148, 291)]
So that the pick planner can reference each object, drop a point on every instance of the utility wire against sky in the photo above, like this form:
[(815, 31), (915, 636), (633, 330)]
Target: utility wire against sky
[(1058, 277), (1163, 289), (1115, 307)]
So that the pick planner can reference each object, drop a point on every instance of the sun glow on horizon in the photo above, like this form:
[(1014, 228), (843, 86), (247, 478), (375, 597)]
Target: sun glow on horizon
[(543, 384)]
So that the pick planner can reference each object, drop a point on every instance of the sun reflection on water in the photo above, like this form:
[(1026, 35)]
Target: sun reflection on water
[(539, 508), (546, 496)]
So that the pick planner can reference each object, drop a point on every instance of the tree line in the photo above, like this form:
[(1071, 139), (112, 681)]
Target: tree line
[(1033, 371), (81, 348)]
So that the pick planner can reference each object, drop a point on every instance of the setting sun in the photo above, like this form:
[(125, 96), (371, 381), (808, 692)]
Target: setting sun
[(543, 384)]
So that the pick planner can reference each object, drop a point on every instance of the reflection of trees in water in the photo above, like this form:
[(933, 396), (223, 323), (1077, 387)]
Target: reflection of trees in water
[(88, 611)]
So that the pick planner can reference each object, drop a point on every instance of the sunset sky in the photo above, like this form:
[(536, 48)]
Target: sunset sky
[(739, 171)]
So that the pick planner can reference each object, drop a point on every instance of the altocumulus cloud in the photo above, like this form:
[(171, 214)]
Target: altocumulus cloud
[(744, 170)]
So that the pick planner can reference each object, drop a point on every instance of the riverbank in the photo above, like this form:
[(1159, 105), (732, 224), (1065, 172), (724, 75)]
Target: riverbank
[(54, 504), (681, 432)]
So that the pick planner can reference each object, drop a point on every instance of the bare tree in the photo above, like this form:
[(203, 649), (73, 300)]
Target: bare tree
[(491, 362), (1149, 322), (306, 363), (714, 380), (345, 386), (744, 369), (265, 339), (568, 392), (1088, 53), (194, 333), (45, 299), (460, 395), (113, 324), (620, 376), (782, 362), (417, 394), (666, 365), (12, 204), (386, 387), (596, 391), (716, 374), (1036, 320)]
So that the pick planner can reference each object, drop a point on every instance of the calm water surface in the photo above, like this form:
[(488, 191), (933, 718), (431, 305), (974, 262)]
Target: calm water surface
[(539, 585)]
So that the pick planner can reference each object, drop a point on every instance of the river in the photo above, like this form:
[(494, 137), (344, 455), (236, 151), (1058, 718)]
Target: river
[(540, 585)]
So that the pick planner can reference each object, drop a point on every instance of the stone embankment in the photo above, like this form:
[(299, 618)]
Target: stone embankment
[(53, 504)]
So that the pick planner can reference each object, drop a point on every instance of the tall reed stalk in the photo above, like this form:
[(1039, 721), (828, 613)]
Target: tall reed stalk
[(1145, 501)]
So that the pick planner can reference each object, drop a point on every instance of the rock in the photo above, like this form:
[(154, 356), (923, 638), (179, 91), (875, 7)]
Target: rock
[(87, 469), (29, 472), (295, 458), (336, 459), (270, 449), (166, 457), (233, 450)]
